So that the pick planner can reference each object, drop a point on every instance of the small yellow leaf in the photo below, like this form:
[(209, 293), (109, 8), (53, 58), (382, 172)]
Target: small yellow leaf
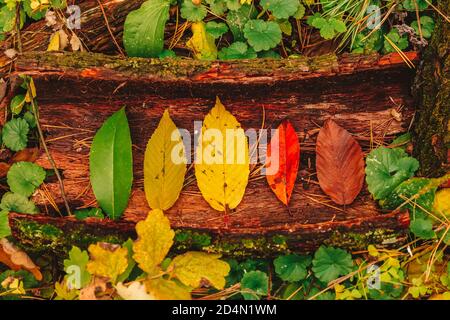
[(162, 289), (192, 268), (222, 164), (155, 237), (202, 43), (164, 165), (373, 251), (442, 202), (54, 42), (107, 260), (134, 291)]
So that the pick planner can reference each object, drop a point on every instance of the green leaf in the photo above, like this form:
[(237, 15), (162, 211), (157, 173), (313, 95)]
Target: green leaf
[(131, 263), (17, 104), (89, 213), (14, 202), (217, 7), (372, 44), (400, 41), (329, 263), (216, 29), (111, 165), (25, 177), (386, 168), (410, 5), (34, 14), (421, 189), (300, 13), (8, 18), (422, 228), (193, 12), (328, 27), (167, 54), (254, 284), (236, 20), (5, 230), (292, 267), (30, 119), (75, 267), (233, 4), (237, 50), (15, 134), (269, 54), (281, 9), (143, 34), (262, 35), (401, 140), (427, 26)]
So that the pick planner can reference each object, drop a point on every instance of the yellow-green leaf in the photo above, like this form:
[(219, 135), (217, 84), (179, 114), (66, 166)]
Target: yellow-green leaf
[(107, 260), (222, 163), (162, 289), (202, 43), (442, 202), (164, 165), (192, 268), (155, 237)]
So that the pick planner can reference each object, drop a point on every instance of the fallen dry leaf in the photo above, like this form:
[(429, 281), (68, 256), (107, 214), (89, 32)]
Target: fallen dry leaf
[(339, 163), (4, 167), (28, 155), (17, 259)]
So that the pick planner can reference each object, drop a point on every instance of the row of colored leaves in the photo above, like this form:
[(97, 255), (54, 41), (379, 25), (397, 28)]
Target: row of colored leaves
[(253, 36)]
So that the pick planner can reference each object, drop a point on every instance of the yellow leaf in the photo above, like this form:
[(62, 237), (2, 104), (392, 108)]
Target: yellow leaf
[(222, 164), (443, 296), (162, 289), (164, 165), (373, 251), (54, 42), (155, 237), (107, 260), (134, 291), (192, 268), (442, 202), (202, 43)]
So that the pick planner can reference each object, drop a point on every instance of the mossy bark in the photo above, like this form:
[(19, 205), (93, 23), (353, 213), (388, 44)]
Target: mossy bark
[(432, 92)]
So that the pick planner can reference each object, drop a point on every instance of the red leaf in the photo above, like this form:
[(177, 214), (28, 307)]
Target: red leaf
[(282, 161), (339, 163)]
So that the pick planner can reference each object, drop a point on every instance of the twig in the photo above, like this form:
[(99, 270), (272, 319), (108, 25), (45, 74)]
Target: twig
[(109, 29), (49, 156)]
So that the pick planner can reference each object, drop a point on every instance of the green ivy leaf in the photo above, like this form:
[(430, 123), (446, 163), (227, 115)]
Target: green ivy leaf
[(262, 35), (15, 134), (400, 41), (237, 50), (386, 168), (89, 213), (427, 26), (25, 177), (13, 202), (143, 34), (292, 267), (281, 9), (254, 284), (5, 230), (75, 267), (216, 29), (193, 12), (329, 263), (111, 164)]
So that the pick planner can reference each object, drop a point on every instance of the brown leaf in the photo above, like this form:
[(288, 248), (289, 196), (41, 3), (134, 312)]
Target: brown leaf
[(339, 163), (4, 167), (17, 259), (28, 154)]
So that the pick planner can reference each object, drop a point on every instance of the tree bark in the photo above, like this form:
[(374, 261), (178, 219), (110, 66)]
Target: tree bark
[(77, 92), (432, 92)]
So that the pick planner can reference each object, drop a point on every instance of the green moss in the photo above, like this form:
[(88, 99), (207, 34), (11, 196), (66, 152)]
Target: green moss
[(360, 241)]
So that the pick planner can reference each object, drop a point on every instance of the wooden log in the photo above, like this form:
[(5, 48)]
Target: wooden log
[(432, 92), (77, 92)]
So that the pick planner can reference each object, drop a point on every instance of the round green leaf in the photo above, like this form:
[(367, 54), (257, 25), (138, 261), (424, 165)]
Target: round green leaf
[(15, 134), (237, 50), (427, 25), (292, 267), (281, 9), (216, 29), (254, 284), (422, 228), (25, 177), (329, 263), (262, 35), (17, 203), (192, 12)]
